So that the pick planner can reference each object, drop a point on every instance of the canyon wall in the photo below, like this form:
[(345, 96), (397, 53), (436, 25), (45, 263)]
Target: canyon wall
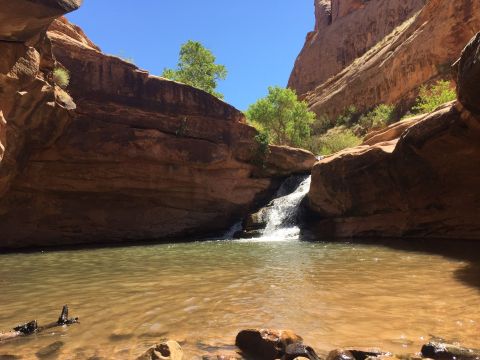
[(365, 53), (417, 180), (124, 155)]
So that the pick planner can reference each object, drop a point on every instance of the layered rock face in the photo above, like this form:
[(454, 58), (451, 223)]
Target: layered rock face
[(380, 51), (139, 158), (33, 111), (423, 184), (344, 31)]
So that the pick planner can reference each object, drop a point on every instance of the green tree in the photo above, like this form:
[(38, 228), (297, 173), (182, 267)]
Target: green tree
[(282, 116), (380, 117), (334, 140), (431, 98), (196, 67)]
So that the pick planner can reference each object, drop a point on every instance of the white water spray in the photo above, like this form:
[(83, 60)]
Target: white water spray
[(280, 214)]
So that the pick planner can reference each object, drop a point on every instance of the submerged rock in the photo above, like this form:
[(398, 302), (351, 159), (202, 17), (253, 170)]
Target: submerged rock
[(170, 350)]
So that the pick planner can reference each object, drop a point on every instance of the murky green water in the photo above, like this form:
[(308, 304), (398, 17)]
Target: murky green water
[(202, 294)]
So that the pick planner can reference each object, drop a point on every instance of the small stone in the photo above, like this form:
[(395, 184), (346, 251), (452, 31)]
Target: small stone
[(340, 354)]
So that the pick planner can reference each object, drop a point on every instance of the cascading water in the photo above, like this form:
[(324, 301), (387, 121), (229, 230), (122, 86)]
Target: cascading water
[(281, 214)]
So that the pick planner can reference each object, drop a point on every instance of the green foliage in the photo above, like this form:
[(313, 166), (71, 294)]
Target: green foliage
[(61, 77), (380, 117), (334, 140), (263, 139), (196, 67), (432, 97), (280, 114), (348, 118), (321, 125)]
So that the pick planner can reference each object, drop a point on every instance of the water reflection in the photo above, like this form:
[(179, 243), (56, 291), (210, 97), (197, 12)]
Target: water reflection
[(202, 294)]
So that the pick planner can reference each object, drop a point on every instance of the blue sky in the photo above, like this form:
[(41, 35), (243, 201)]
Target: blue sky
[(258, 40)]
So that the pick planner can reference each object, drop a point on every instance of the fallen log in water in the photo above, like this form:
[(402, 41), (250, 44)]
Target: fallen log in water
[(33, 328)]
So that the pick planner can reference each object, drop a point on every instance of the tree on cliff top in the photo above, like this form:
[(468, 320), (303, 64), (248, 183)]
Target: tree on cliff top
[(282, 116), (196, 67)]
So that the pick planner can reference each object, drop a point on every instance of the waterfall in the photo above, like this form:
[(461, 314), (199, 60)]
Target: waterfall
[(281, 214)]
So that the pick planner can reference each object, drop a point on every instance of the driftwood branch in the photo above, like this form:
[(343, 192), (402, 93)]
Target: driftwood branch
[(33, 328)]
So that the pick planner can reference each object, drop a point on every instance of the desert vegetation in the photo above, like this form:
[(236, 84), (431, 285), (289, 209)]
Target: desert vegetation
[(61, 77), (280, 115), (196, 67), (348, 129)]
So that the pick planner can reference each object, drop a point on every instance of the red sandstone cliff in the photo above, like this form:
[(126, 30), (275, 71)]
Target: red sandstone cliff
[(123, 156), (364, 53), (418, 179)]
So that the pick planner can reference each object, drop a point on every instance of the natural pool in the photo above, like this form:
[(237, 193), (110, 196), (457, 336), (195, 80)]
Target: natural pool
[(202, 294)]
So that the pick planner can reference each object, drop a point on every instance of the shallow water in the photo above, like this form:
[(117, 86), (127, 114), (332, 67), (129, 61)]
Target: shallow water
[(202, 294)]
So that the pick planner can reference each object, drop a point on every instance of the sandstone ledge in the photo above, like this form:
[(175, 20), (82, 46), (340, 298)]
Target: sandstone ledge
[(132, 157)]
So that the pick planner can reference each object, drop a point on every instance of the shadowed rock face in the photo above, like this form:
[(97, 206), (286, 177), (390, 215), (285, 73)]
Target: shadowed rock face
[(469, 75), (423, 184), (381, 52), (136, 157), (22, 19)]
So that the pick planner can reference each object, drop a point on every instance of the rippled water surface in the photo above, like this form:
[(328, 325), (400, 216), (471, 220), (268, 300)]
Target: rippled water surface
[(202, 294)]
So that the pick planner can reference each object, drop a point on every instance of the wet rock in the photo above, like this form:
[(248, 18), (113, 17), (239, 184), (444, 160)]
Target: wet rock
[(248, 234), (354, 354), (256, 221), (170, 350), (444, 351), (50, 350), (266, 344), (299, 350), (469, 76), (340, 354)]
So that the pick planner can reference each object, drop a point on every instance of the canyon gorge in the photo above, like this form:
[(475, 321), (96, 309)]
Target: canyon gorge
[(127, 156), (158, 213)]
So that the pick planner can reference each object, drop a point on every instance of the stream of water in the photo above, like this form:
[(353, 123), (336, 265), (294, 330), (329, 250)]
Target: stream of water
[(201, 294)]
